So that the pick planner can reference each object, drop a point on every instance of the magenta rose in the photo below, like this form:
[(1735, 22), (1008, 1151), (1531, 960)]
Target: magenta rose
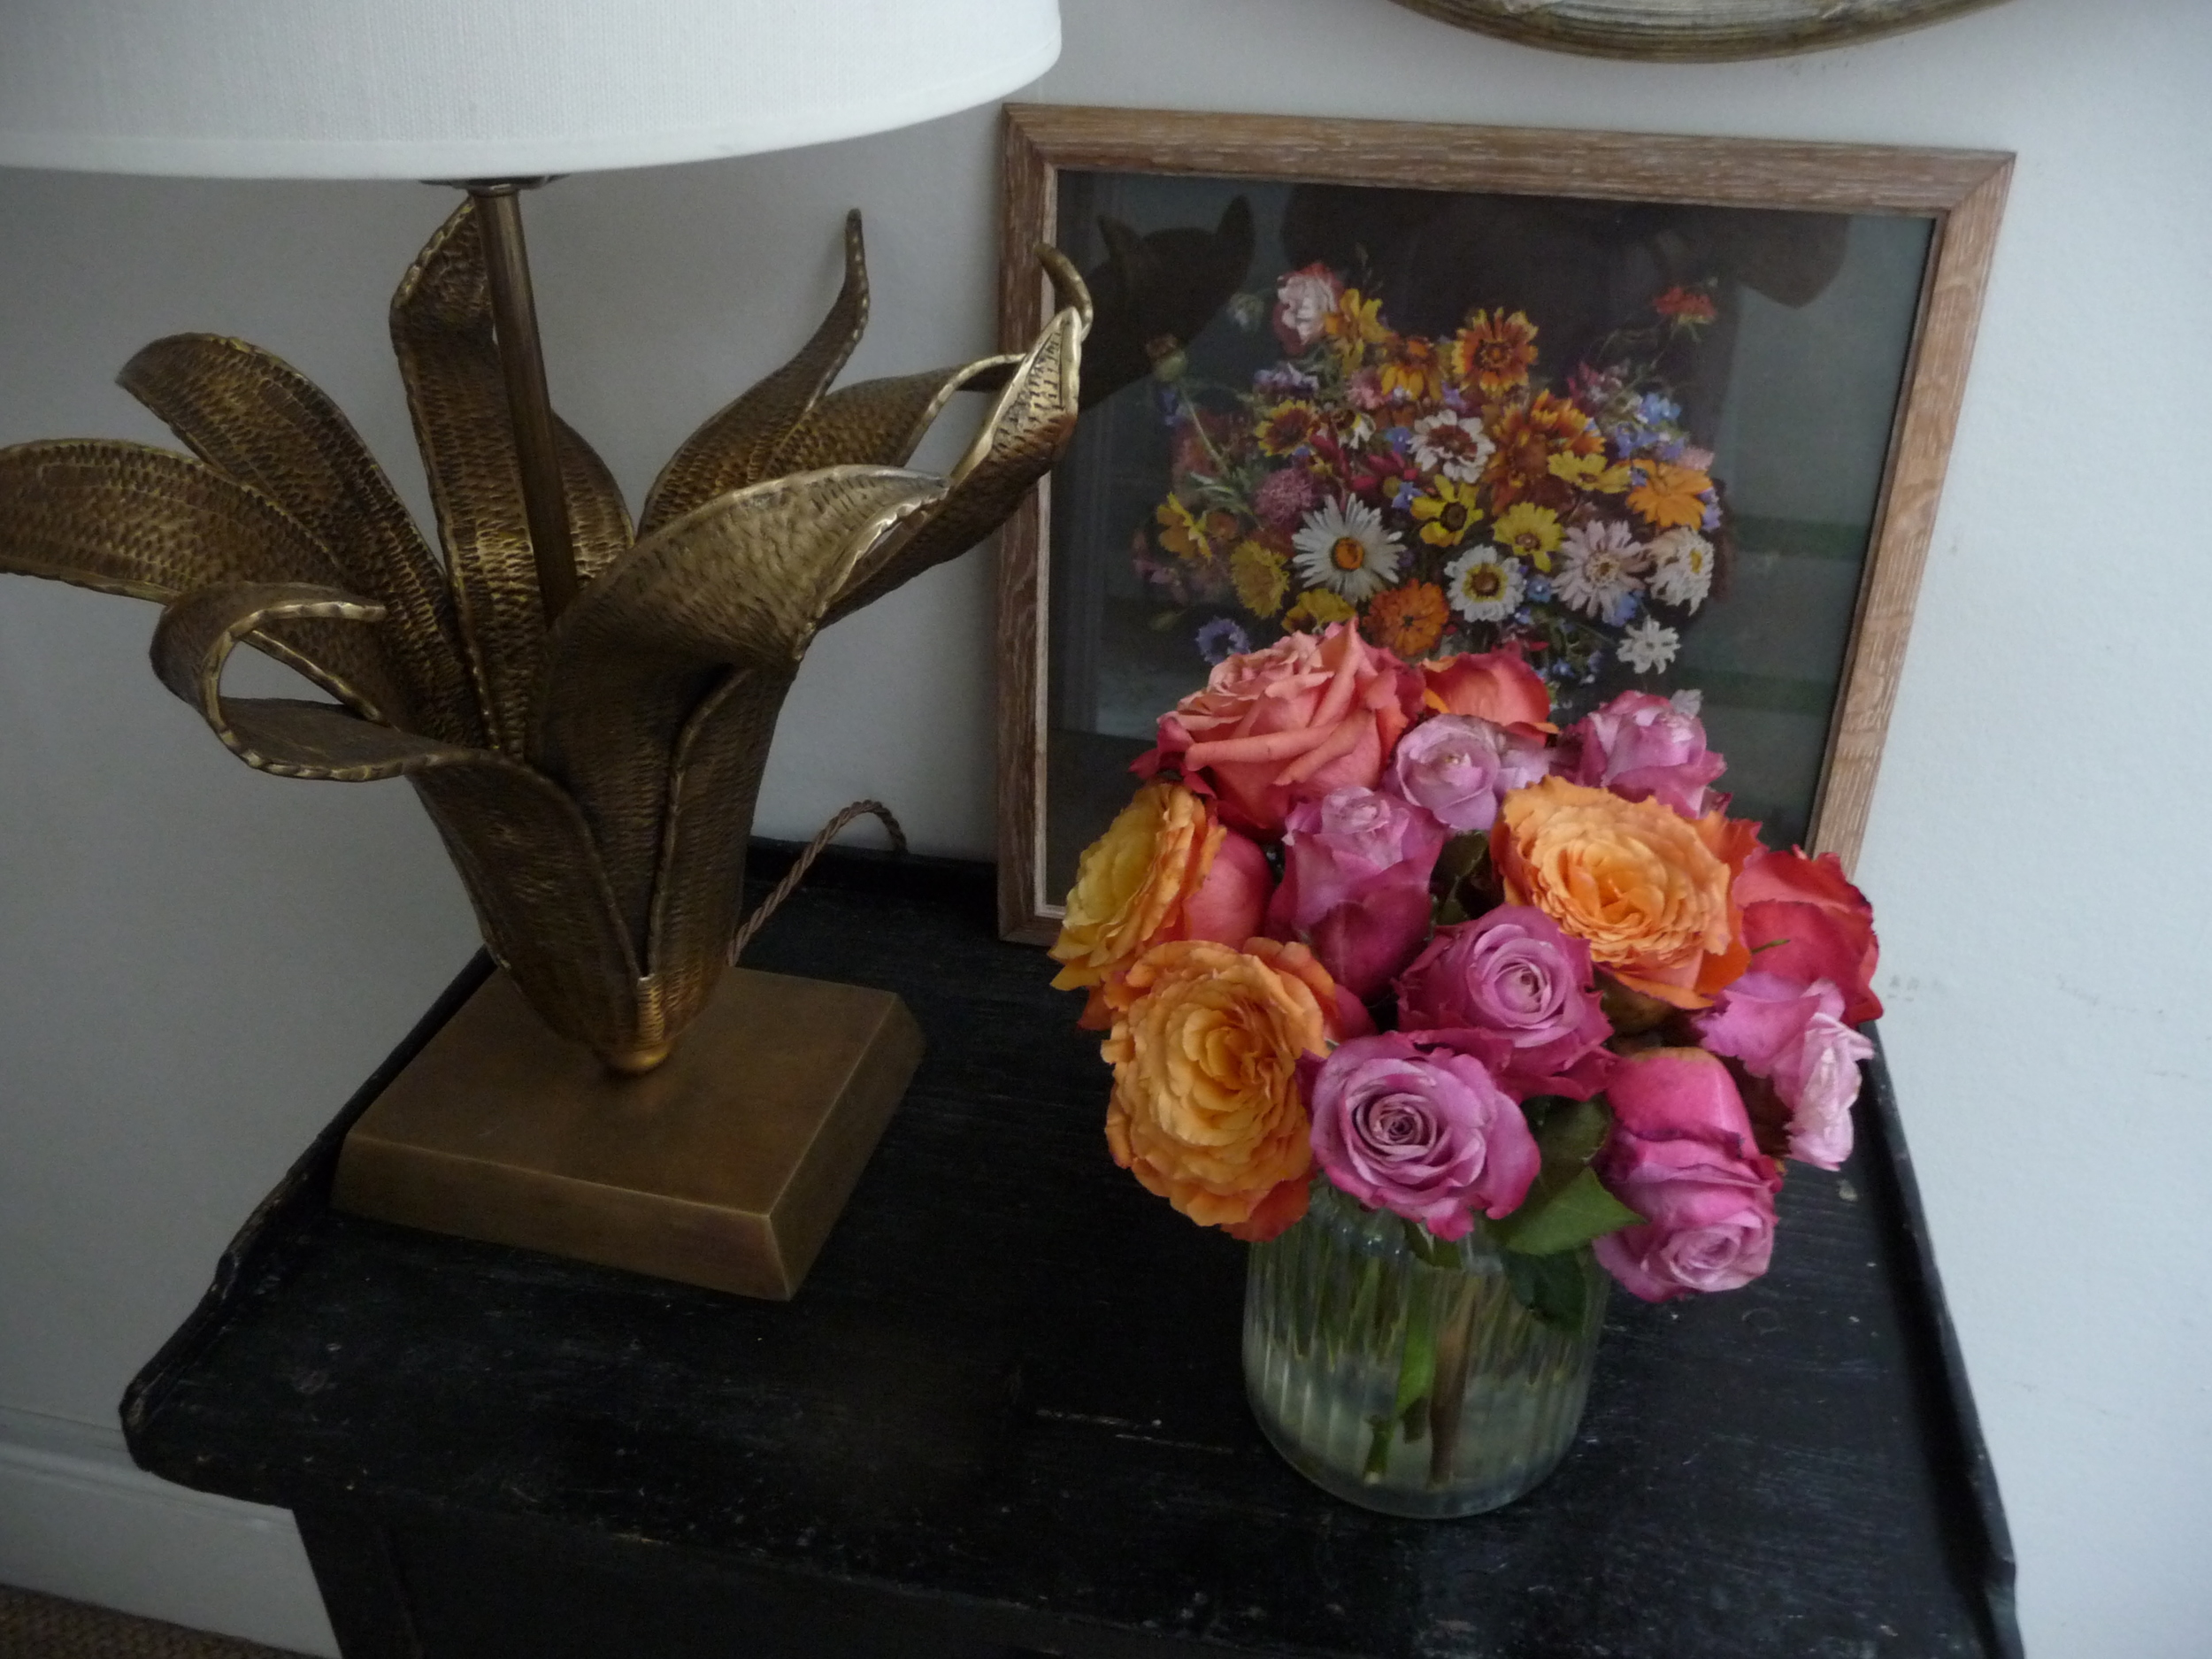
[(1356, 884), (1681, 1155), (1794, 1037), (1458, 768), (1519, 990), (1419, 1130), (1642, 747)]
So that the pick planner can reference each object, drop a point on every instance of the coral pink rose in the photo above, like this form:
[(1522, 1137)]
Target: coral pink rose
[(1681, 1155), (1497, 686), (1795, 1038), (1307, 715), (1805, 921), (1356, 884), (1229, 905), (1642, 747)]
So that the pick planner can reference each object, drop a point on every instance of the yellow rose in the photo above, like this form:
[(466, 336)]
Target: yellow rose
[(1130, 885), (1647, 889), (1206, 1109)]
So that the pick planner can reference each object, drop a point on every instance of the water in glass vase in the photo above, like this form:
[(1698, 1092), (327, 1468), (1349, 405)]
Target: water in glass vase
[(1402, 1373)]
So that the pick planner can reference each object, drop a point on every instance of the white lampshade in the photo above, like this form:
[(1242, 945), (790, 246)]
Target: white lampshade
[(486, 89)]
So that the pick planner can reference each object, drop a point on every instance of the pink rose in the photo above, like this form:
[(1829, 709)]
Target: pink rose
[(1420, 1131), (1458, 767), (1516, 989), (1804, 921), (1309, 714), (1303, 300), (1356, 884), (1229, 905), (1681, 1155), (1793, 1036), (1497, 686), (1642, 747)]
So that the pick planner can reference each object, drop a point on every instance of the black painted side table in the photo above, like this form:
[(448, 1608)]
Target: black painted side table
[(1005, 1416)]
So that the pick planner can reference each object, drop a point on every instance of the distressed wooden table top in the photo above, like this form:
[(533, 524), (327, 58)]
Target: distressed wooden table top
[(1014, 1376)]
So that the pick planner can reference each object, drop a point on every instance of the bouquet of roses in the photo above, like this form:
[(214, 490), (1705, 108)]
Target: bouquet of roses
[(1385, 923)]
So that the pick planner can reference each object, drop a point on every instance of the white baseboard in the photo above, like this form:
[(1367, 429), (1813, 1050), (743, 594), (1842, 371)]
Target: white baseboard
[(78, 1519)]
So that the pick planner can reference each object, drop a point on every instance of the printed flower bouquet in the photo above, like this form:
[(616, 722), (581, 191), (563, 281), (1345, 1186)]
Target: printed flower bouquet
[(1437, 491), (1444, 1009)]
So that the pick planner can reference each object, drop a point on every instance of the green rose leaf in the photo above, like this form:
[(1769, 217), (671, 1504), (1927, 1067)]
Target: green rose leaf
[(1554, 1219), (1567, 1205)]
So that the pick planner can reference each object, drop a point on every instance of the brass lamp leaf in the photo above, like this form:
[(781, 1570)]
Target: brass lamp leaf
[(254, 418), (522, 849), (737, 446), (741, 582), (449, 358), (1028, 426), (880, 422), (122, 519)]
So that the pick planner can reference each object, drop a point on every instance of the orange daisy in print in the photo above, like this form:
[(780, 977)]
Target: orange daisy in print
[(1528, 437), (1286, 426), (1409, 620), (1494, 352), (1670, 495), (1413, 370)]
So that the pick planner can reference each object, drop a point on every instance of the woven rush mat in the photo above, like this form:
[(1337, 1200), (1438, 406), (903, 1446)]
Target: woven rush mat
[(33, 1626)]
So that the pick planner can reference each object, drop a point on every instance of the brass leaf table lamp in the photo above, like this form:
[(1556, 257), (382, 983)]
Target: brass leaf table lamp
[(584, 708)]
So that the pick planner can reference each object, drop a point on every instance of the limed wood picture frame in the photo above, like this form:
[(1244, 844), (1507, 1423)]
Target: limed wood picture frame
[(1668, 191)]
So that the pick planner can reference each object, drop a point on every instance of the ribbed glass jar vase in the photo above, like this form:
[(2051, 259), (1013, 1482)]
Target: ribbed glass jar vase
[(1413, 1382)]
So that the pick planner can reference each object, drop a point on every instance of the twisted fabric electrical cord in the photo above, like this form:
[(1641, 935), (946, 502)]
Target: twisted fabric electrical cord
[(784, 888)]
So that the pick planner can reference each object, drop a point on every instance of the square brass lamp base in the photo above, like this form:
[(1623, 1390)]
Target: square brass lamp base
[(724, 1167)]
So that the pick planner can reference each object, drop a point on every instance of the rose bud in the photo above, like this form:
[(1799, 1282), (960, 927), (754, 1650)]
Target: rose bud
[(1642, 747), (1681, 1155), (1420, 1131), (1356, 884), (1229, 904)]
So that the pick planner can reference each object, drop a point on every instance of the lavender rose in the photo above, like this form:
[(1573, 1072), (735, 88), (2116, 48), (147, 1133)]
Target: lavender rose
[(1514, 976), (1681, 1155), (1794, 1037), (1356, 884), (1458, 767), (1419, 1130), (1642, 747)]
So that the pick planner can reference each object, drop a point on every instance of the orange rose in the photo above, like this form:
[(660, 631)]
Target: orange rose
[(1130, 888), (1647, 889), (1206, 1109), (1497, 686)]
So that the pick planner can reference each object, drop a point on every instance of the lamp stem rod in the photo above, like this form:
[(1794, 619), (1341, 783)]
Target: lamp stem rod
[(522, 361)]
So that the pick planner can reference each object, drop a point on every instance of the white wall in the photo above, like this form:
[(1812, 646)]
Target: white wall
[(197, 962)]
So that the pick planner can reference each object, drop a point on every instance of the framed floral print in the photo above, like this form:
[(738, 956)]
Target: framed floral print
[(1667, 414)]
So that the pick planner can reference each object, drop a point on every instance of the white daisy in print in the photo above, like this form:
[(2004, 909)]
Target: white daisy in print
[(1343, 546), (1681, 567), (1484, 585), (1443, 442), (1599, 567), (1648, 646)]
